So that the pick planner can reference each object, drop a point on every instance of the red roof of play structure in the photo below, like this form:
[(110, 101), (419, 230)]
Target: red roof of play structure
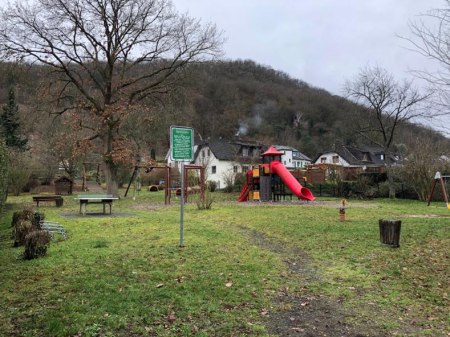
[(271, 151)]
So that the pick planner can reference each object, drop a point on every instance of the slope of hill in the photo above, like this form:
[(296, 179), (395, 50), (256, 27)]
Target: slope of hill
[(223, 99), (246, 98)]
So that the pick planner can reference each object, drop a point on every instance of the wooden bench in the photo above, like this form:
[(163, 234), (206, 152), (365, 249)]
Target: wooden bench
[(57, 199)]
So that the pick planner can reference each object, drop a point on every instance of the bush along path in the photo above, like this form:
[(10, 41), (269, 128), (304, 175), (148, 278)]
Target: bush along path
[(301, 313)]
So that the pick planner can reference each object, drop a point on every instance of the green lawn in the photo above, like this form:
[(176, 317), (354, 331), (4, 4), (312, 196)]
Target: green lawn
[(126, 276)]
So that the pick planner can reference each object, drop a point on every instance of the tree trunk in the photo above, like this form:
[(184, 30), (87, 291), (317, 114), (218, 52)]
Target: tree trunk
[(391, 184), (109, 167), (110, 170), (389, 172)]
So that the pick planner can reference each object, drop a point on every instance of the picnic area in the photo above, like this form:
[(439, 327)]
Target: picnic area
[(247, 269)]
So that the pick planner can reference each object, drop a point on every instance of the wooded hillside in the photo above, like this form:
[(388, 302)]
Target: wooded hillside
[(220, 99)]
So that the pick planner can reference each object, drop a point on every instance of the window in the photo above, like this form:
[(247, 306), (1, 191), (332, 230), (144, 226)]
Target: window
[(209, 152), (245, 152), (382, 156), (213, 169), (203, 153), (335, 159), (244, 168), (323, 159), (235, 169)]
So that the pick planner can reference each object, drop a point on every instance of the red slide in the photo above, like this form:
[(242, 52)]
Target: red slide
[(290, 181), (244, 193)]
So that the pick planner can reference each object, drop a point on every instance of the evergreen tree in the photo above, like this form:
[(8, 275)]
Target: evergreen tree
[(10, 124)]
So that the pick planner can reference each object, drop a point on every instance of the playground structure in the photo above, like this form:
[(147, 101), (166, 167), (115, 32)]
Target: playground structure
[(441, 178), (148, 168), (168, 188), (97, 174), (270, 180), (202, 184)]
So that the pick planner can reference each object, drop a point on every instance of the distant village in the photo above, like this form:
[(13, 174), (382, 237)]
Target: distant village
[(222, 157)]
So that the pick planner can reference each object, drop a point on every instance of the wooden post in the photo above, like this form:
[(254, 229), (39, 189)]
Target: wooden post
[(167, 185), (440, 177), (444, 190), (390, 232), (83, 187), (202, 184)]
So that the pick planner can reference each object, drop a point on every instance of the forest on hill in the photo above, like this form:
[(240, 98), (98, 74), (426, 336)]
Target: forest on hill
[(218, 99)]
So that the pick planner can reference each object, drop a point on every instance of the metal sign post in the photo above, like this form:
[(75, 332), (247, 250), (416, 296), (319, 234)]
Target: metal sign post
[(182, 206), (181, 149)]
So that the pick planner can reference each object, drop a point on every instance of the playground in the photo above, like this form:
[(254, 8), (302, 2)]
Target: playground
[(288, 268)]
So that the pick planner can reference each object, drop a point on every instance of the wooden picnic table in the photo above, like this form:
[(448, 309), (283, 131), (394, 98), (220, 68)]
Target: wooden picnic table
[(104, 199)]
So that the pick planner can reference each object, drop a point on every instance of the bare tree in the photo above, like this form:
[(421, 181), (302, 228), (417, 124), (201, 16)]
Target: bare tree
[(431, 38), (425, 157), (388, 104), (107, 57)]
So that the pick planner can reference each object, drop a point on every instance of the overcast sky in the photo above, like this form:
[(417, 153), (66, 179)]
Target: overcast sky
[(322, 42)]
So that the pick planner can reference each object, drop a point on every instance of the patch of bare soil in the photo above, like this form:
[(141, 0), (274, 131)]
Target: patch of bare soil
[(148, 207), (426, 216), (307, 316), (293, 203)]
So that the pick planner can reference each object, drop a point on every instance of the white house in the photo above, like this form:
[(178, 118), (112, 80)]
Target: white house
[(292, 158), (223, 159), (349, 156), (177, 164)]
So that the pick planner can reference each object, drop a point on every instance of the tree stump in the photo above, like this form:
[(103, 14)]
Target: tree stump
[(390, 232)]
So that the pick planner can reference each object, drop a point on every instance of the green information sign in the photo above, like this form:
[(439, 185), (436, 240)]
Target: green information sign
[(181, 143)]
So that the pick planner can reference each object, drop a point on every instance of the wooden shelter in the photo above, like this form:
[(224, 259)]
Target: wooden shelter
[(63, 185)]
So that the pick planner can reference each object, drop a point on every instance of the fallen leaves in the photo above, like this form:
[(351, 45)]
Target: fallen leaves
[(264, 312)]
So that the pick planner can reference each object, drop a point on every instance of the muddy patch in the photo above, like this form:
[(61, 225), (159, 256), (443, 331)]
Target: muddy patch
[(308, 315)]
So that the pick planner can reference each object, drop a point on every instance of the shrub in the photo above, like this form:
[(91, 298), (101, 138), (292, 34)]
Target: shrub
[(36, 244), (4, 173), (26, 214), (211, 185), (21, 230), (206, 202), (18, 178), (23, 223), (33, 182)]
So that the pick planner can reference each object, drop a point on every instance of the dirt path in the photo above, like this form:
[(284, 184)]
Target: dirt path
[(306, 316)]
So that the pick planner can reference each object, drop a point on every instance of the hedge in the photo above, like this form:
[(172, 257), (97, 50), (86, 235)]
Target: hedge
[(4, 164)]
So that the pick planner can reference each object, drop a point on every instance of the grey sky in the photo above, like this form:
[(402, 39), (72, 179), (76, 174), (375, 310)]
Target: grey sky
[(322, 42)]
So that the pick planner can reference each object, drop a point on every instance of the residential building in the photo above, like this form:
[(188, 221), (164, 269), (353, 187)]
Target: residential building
[(223, 159), (350, 156), (293, 158)]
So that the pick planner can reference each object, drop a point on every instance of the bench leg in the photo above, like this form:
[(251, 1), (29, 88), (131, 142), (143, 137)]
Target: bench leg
[(83, 209)]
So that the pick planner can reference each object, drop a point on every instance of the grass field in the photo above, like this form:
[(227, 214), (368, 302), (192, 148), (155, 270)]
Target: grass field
[(247, 269)]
